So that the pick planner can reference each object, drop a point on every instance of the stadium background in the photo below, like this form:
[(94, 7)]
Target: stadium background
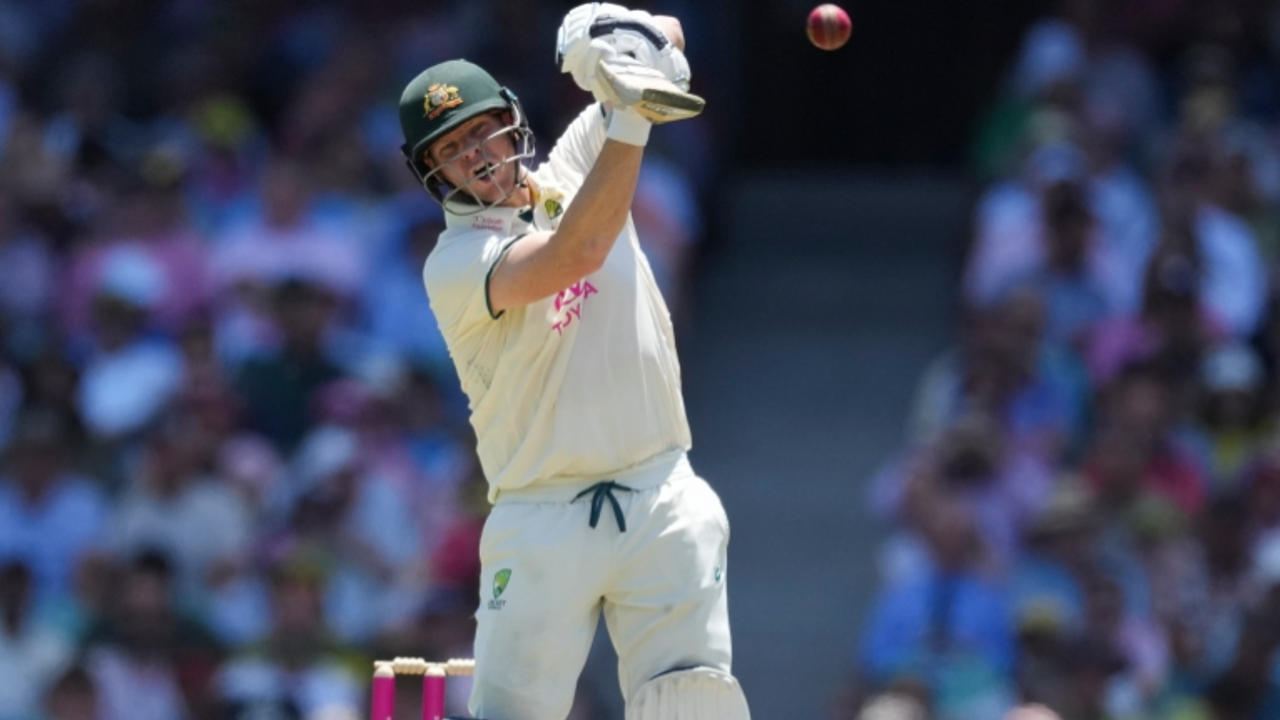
[(977, 317)]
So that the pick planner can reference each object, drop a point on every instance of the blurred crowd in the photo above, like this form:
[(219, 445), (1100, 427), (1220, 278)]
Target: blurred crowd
[(1086, 511), (234, 460)]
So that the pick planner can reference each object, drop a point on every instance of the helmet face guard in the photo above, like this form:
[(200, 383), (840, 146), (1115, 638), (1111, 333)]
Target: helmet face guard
[(460, 199)]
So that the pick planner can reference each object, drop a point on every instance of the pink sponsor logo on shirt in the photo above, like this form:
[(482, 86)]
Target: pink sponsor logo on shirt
[(485, 222), (568, 304)]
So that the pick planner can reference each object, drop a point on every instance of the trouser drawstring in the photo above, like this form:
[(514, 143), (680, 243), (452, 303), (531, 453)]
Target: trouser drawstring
[(599, 492)]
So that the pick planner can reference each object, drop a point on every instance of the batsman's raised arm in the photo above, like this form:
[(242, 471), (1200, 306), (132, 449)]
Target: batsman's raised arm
[(637, 50), (543, 263)]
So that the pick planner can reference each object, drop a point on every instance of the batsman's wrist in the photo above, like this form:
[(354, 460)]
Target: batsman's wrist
[(628, 127)]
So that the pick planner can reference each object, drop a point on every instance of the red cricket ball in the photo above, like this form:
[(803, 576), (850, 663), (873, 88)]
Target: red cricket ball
[(829, 26)]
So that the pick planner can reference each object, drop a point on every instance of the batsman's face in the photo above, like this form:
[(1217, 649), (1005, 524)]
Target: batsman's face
[(473, 157)]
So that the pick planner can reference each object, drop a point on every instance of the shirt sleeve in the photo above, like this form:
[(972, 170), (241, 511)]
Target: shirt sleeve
[(456, 276), (576, 150)]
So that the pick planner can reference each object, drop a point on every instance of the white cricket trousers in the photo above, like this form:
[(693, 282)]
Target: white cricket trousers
[(546, 575)]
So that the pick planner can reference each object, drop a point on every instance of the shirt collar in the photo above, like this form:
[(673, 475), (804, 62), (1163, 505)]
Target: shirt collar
[(545, 212), (502, 220)]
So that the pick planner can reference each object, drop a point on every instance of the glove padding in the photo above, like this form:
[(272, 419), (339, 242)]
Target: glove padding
[(588, 31)]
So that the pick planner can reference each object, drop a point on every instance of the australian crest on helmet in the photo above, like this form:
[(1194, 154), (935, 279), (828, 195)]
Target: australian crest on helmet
[(440, 97)]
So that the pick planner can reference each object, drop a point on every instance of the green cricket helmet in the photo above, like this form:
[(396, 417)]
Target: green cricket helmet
[(443, 97)]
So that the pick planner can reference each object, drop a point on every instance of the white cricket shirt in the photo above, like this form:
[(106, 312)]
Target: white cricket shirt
[(573, 387)]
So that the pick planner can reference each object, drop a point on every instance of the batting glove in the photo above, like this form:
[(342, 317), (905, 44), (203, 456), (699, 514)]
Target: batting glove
[(588, 30)]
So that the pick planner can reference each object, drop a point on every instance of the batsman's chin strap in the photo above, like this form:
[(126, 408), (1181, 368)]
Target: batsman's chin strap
[(599, 492)]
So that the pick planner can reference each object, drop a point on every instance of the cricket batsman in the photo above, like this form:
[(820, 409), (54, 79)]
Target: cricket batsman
[(564, 347)]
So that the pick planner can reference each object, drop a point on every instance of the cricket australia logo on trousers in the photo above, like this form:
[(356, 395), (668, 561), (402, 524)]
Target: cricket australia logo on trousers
[(500, 580)]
